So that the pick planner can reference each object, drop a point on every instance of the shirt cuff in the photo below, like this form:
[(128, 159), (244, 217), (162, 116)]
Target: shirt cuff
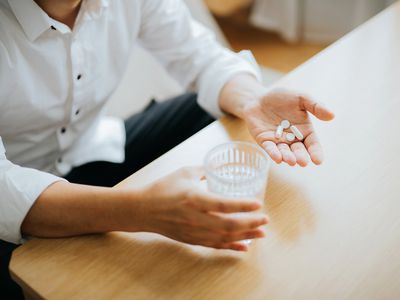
[(20, 188), (214, 78)]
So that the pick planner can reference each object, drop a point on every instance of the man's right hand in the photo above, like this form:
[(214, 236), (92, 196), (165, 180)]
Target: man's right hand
[(179, 207)]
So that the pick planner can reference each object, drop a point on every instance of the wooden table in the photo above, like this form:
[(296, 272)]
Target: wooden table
[(334, 231)]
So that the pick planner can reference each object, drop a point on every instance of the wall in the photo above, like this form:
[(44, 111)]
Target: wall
[(327, 20)]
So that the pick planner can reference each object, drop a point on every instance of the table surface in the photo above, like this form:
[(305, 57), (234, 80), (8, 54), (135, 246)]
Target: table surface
[(334, 230)]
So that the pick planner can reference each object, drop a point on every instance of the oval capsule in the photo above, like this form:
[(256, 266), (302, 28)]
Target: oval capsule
[(278, 132), (297, 132)]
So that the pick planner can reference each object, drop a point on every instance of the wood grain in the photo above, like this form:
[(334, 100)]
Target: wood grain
[(334, 231)]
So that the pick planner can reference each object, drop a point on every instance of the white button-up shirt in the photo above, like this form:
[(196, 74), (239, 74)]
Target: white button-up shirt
[(54, 83)]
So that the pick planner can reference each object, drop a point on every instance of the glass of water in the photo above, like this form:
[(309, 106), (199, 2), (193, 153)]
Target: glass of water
[(237, 169)]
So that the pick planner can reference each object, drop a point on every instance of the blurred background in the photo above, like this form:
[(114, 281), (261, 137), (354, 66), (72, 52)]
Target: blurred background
[(282, 34)]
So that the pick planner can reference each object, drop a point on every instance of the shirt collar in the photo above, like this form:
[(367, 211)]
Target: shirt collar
[(35, 21), (31, 17)]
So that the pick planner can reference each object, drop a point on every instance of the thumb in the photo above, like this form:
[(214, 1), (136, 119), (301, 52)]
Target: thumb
[(317, 109)]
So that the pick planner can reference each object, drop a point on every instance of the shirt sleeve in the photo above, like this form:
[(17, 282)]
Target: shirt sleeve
[(19, 189), (190, 52)]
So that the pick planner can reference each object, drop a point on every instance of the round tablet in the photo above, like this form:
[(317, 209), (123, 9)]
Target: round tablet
[(290, 137), (285, 124)]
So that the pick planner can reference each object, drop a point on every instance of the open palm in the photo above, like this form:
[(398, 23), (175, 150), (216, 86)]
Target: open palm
[(263, 118)]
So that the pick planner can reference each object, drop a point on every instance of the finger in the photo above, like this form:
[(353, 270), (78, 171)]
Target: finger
[(247, 235), (207, 201), (273, 151), (217, 223), (266, 140), (235, 224), (267, 136), (317, 109), (301, 154), (223, 238), (287, 155), (205, 237), (236, 246), (314, 148)]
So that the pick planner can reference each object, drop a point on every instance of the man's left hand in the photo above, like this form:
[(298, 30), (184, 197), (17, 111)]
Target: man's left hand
[(264, 116), (263, 111)]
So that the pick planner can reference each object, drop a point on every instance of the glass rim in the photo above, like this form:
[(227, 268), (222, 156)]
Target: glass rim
[(213, 150)]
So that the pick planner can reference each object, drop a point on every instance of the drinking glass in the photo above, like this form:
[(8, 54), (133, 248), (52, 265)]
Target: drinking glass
[(238, 170)]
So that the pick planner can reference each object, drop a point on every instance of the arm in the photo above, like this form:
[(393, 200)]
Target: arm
[(39, 204), (66, 209), (227, 82), (189, 51), (175, 206), (19, 187)]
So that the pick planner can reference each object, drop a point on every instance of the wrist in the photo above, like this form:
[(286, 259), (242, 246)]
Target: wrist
[(241, 93), (128, 209)]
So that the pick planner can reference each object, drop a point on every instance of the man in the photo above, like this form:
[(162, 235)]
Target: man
[(59, 63)]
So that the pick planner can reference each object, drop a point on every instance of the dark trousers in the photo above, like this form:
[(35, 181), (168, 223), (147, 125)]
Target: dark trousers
[(8, 288), (149, 134)]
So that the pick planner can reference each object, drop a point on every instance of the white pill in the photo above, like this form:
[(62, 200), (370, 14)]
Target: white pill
[(278, 132), (297, 132), (290, 137), (285, 124)]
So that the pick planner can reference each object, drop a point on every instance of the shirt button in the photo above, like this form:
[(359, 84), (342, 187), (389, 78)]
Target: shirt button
[(59, 160), (77, 112), (63, 130), (52, 27), (79, 76)]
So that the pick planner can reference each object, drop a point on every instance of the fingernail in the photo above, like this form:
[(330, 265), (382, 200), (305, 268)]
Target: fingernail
[(244, 248), (240, 247), (317, 160), (260, 234), (277, 155)]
